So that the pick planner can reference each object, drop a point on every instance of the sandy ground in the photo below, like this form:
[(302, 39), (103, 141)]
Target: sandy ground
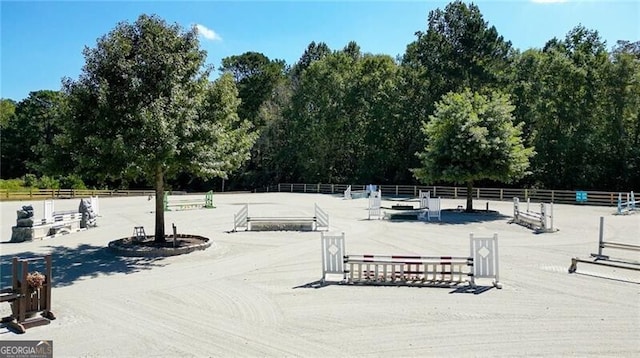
[(251, 293)]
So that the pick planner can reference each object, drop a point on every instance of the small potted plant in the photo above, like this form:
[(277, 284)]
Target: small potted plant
[(35, 280)]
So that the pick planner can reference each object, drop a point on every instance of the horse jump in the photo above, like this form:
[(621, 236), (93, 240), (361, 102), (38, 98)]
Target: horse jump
[(206, 203), (54, 223), (241, 219), (359, 194), (440, 271), (26, 300), (375, 204), (540, 222), (605, 260), (628, 207)]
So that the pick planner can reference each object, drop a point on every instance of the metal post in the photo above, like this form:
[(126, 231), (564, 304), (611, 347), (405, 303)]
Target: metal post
[(174, 235), (601, 237), (501, 190)]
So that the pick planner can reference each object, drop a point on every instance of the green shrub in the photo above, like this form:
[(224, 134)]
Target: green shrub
[(11, 184), (48, 183), (72, 181), (30, 180)]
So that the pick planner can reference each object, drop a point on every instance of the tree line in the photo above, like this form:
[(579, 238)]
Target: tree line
[(343, 115)]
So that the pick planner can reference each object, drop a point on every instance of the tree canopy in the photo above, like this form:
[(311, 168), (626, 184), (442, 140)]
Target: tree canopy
[(471, 137), (143, 108)]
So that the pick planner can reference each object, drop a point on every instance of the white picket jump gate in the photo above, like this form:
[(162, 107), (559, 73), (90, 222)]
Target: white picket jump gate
[(605, 260), (241, 219), (424, 199), (359, 194), (629, 206), (539, 221), (447, 271), (432, 210), (347, 193), (375, 204)]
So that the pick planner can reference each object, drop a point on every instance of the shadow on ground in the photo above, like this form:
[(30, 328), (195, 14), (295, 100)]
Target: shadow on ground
[(452, 217), (82, 262), (456, 289)]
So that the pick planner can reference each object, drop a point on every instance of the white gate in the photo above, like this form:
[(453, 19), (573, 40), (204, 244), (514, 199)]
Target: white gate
[(484, 252), (332, 257)]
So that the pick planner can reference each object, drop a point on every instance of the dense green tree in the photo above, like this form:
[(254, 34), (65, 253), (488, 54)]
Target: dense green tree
[(256, 77), (29, 138), (144, 108), (313, 52), (7, 110), (459, 50), (343, 118), (560, 94), (471, 137)]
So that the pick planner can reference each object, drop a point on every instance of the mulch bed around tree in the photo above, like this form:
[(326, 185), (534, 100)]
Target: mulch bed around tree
[(184, 244)]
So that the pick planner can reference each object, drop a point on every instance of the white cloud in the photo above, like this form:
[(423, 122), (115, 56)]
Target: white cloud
[(548, 1), (207, 33)]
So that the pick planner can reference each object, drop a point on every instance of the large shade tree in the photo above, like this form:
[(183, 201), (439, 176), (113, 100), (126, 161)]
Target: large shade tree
[(143, 108), (471, 137)]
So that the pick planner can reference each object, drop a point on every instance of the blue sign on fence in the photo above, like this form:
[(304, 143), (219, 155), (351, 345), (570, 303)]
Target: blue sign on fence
[(581, 196)]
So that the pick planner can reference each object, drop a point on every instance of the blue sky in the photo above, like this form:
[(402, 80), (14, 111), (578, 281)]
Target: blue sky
[(42, 41)]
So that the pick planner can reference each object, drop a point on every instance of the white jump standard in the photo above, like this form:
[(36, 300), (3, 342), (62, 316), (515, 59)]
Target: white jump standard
[(605, 260), (319, 221), (627, 207), (539, 221), (405, 270), (375, 204)]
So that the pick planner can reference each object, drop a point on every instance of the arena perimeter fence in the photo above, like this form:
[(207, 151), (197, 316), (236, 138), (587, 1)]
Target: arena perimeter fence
[(601, 198)]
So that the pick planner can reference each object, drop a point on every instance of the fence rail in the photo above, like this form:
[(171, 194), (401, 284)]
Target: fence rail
[(11, 195), (601, 198)]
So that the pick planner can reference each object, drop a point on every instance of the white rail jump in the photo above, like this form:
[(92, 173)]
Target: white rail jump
[(627, 207), (407, 270), (359, 194), (320, 221), (539, 221), (375, 205), (605, 260)]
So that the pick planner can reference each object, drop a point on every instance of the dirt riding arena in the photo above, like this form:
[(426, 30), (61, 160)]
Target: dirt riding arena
[(256, 293)]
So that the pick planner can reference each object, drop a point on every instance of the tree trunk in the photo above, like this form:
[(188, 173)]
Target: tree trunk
[(159, 235), (469, 196)]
